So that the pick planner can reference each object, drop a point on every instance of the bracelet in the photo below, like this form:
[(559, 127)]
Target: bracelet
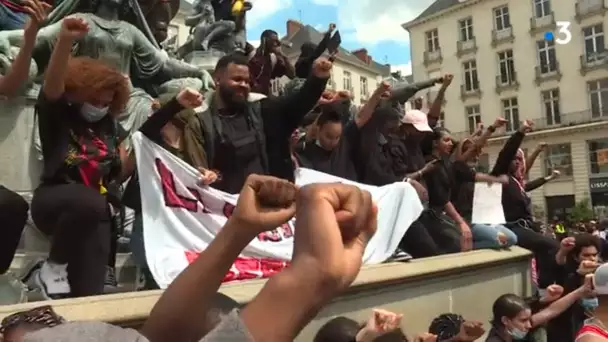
[(491, 129), (419, 174)]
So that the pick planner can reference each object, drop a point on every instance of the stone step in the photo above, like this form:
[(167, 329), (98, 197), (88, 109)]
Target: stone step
[(127, 272)]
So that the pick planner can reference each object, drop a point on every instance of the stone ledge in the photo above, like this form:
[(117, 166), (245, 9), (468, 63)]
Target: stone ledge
[(135, 306)]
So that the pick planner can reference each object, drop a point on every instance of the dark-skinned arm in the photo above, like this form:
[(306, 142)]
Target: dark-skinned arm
[(435, 110), (508, 152), (180, 309), (291, 109)]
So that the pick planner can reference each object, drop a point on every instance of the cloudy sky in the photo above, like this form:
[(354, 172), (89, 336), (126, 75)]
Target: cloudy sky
[(362, 23)]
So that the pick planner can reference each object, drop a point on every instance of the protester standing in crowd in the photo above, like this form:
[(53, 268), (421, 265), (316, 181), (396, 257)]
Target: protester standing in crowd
[(515, 318), (577, 257), (13, 208), (241, 136), (268, 62)]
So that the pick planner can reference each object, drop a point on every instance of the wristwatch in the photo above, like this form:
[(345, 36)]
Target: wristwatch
[(491, 129)]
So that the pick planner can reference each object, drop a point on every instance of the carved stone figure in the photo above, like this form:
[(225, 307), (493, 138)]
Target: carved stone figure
[(216, 26)]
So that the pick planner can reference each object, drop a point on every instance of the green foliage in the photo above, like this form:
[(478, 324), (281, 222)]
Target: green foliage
[(581, 211)]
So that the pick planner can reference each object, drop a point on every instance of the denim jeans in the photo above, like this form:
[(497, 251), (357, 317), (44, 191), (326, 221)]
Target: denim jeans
[(486, 236), (11, 20)]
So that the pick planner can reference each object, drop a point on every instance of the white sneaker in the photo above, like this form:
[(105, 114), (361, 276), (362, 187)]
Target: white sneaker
[(52, 280)]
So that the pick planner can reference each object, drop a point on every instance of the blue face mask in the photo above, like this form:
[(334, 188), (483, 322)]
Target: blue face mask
[(590, 304), (93, 114), (517, 334)]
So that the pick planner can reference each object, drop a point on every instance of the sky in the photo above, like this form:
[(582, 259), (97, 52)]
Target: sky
[(362, 23)]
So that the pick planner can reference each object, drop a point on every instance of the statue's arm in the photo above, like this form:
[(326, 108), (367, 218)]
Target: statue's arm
[(193, 20), (150, 61), (403, 92)]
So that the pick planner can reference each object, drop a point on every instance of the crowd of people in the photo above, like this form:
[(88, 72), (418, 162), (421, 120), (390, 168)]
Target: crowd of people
[(252, 145)]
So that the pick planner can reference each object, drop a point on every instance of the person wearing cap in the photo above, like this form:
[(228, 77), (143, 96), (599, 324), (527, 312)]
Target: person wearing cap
[(332, 152)]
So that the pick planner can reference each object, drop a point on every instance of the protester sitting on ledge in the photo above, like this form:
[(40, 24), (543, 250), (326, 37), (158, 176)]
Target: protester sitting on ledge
[(83, 158), (242, 134)]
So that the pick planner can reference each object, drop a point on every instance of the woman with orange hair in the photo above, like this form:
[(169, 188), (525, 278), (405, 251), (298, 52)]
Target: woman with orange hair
[(83, 156)]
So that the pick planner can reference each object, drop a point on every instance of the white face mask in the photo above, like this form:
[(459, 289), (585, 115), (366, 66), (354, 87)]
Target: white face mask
[(91, 113)]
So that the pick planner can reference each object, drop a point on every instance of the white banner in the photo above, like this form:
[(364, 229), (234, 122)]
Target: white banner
[(181, 218)]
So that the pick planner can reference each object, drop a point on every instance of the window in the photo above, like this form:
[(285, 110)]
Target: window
[(502, 21), (598, 97), (466, 29), (474, 117), (363, 86), (542, 8), (471, 81), (506, 66), (558, 157), (483, 164), (551, 106), (594, 41), (510, 112), (432, 40), (546, 56), (347, 81), (598, 156)]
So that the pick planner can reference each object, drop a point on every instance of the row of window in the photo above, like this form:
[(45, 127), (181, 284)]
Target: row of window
[(593, 36), (551, 107), (559, 157)]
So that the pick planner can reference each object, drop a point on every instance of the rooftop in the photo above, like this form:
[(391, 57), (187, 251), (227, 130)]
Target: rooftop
[(307, 33)]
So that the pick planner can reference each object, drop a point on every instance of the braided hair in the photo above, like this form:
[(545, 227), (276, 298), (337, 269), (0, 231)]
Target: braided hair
[(446, 326)]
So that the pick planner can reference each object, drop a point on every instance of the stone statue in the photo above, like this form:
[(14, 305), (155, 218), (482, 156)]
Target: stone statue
[(214, 29), (117, 43)]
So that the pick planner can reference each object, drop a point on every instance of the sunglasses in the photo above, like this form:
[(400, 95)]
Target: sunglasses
[(44, 315)]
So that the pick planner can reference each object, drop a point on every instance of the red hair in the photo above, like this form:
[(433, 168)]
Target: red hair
[(86, 78)]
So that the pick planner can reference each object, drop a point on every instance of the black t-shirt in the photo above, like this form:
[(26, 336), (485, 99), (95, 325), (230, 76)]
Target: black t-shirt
[(237, 153), (339, 161), (74, 150), (441, 179)]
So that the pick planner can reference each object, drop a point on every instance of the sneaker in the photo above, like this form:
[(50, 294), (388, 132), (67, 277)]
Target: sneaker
[(400, 255), (51, 280), (110, 284)]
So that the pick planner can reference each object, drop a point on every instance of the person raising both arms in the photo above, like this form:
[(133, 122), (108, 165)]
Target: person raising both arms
[(13, 208)]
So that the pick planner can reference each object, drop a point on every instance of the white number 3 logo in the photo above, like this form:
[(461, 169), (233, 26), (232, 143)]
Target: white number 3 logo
[(564, 36)]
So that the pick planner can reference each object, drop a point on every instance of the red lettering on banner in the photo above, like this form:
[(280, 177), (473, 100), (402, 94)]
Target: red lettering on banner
[(285, 231), (247, 268), (172, 198)]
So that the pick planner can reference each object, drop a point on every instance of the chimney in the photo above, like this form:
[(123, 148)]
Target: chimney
[(362, 55), (293, 26)]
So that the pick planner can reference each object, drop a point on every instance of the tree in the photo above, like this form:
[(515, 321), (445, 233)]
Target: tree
[(581, 211)]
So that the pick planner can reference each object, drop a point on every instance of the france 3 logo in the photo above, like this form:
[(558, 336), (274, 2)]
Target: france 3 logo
[(563, 34)]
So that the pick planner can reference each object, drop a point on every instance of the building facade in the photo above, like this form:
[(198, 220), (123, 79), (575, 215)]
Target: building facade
[(354, 71), (505, 64)]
